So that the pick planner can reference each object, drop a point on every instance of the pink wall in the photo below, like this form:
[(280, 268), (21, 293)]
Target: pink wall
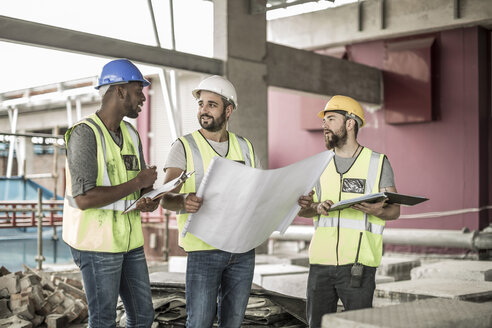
[(440, 159)]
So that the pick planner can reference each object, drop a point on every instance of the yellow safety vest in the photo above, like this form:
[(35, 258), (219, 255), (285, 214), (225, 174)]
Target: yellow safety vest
[(106, 229), (336, 238), (199, 154)]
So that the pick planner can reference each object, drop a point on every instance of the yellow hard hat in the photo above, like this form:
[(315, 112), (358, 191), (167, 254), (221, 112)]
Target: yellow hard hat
[(343, 103)]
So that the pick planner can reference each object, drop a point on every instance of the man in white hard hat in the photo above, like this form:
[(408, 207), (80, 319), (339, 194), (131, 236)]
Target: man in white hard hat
[(106, 172), (346, 247), (211, 274)]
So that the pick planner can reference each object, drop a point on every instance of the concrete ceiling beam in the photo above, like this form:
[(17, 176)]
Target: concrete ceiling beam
[(35, 34), (302, 70), (375, 20)]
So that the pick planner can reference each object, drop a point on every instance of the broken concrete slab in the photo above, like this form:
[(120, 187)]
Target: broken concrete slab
[(455, 269), (4, 309), (56, 321), (431, 313), (9, 284), (29, 280), (411, 290), (397, 267), (72, 291), (282, 278), (15, 322)]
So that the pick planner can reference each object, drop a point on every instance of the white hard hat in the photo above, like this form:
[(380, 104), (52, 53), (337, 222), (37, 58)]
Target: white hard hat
[(219, 85)]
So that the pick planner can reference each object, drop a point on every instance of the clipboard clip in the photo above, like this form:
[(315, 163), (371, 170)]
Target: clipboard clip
[(184, 176)]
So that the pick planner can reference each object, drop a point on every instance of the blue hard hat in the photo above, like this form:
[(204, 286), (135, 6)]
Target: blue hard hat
[(120, 71)]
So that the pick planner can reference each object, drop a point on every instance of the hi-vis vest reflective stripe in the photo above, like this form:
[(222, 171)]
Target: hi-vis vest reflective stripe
[(336, 237), (106, 229), (199, 153)]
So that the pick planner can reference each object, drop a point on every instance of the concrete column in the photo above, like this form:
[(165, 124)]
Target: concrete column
[(240, 40)]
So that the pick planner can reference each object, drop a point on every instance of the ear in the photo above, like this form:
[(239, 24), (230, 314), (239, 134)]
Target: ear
[(121, 91), (229, 110), (350, 124)]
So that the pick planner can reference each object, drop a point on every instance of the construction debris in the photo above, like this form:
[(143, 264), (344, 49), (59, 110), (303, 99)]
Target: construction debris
[(29, 299), (265, 308)]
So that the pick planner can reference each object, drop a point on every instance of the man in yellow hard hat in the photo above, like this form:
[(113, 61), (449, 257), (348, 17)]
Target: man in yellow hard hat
[(346, 247), (211, 274)]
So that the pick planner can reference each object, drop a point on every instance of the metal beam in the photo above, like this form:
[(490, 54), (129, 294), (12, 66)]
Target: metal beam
[(25, 32), (310, 72)]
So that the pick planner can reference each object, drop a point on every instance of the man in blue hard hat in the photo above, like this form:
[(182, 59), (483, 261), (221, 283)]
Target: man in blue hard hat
[(106, 173)]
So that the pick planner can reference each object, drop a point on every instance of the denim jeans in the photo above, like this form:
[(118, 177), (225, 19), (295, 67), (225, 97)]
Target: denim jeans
[(328, 283), (106, 275), (213, 276)]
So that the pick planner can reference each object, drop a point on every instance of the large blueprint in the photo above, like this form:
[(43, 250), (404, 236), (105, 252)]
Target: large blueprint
[(242, 206)]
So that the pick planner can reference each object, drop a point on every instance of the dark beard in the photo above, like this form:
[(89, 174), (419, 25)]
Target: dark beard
[(131, 112), (336, 141), (214, 126)]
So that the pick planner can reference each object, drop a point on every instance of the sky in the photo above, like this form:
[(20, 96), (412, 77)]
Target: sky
[(26, 66)]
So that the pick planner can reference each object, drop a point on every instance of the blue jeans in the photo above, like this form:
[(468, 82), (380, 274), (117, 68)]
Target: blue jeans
[(213, 276), (328, 283), (105, 276)]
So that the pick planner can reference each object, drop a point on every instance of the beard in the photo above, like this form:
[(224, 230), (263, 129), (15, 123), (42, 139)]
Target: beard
[(215, 124), (131, 111), (336, 140)]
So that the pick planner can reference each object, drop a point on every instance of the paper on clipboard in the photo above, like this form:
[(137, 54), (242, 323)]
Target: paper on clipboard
[(159, 192), (393, 198)]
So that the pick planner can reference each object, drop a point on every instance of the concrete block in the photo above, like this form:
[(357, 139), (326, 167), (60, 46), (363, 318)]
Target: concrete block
[(282, 278), (455, 269), (43, 277), (22, 305), (383, 279), (431, 313), (177, 263), (78, 307), (56, 321), (84, 311), (52, 302), (411, 290), (300, 261), (38, 320), (397, 267), (15, 322), (9, 284), (37, 296), (4, 271), (4, 309), (29, 280), (72, 291), (25, 312), (68, 281)]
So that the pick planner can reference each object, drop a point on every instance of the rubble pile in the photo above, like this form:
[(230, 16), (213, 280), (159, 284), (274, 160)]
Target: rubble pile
[(30, 299)]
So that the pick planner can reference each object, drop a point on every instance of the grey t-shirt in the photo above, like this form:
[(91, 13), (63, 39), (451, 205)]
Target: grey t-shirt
[(177, 157), (82, 158), (343, 164)]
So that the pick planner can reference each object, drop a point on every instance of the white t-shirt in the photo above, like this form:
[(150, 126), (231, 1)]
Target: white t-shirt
[(177, 157)]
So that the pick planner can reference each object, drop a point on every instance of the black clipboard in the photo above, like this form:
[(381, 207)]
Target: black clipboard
[(392, 197)]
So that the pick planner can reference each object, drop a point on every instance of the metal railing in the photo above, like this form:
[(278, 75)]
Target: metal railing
[(23, 213)]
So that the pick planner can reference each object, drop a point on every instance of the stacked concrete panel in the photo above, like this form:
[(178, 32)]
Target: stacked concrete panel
[(455, 269), (431, 313)]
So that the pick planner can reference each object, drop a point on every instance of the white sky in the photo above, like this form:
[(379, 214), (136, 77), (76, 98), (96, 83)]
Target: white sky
[(25, 66)]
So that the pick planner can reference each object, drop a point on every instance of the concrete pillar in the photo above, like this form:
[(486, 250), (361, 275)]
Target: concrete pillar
[(240, 40)]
